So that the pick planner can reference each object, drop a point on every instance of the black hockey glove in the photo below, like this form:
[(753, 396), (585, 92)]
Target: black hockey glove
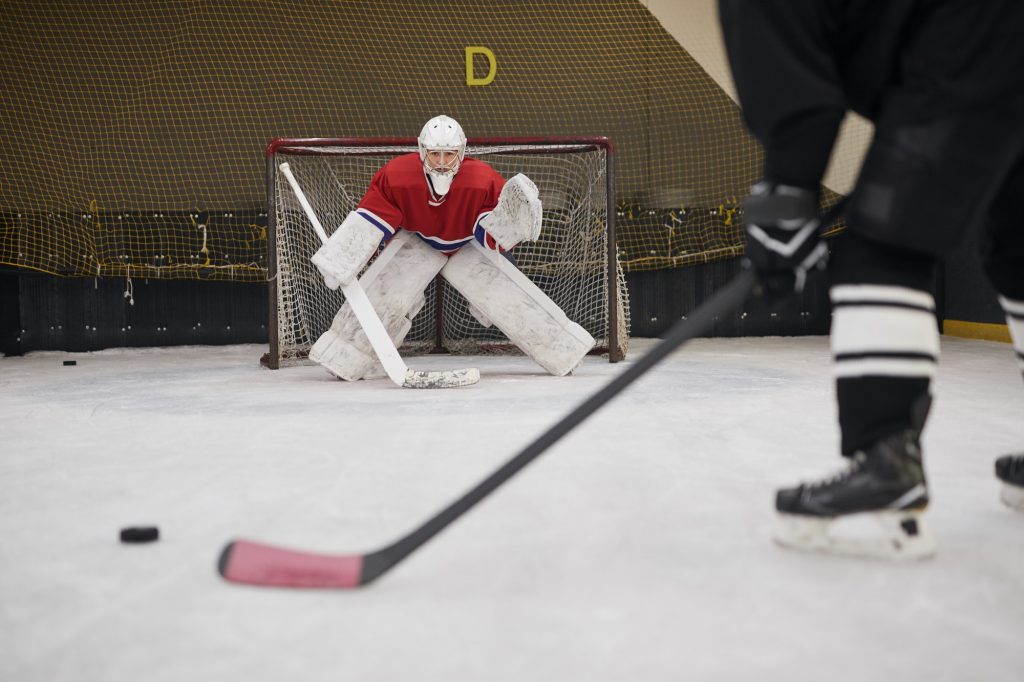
[(783, 236)]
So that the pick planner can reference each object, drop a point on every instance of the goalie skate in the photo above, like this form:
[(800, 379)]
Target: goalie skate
[(873, 508), (1010, 470)]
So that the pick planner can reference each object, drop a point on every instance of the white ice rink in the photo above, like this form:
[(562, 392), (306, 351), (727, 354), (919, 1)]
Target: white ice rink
[(637, 549)]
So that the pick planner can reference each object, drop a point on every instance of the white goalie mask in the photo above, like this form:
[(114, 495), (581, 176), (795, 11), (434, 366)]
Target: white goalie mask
[(442, 147)]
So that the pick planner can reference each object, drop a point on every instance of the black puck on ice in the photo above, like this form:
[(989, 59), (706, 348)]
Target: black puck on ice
[(136, 534), (70, 363)]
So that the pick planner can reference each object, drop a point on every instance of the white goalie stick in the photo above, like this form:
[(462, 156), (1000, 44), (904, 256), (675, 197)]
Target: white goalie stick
[(370, 322), (257, 563)]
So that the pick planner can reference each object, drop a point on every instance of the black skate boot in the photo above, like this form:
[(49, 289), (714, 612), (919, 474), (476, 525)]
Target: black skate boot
[(884, 482), (1010, 470)]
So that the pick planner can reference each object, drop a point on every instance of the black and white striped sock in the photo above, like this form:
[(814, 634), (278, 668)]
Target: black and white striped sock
[(883, 330), (1015, 319), (885, 347)]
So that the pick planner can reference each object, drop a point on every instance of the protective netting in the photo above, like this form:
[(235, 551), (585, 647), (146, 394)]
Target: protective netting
[(570, 261), (134, 129)]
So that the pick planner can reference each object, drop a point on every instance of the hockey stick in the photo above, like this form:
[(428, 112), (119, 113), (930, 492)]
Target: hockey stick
[(244, 561), (375, 332)]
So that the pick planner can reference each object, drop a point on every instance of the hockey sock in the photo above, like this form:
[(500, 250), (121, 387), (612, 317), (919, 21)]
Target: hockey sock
[(1015, 320), (885, 340)]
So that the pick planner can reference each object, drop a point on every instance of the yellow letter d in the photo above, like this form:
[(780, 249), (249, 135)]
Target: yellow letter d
[(471, 78)]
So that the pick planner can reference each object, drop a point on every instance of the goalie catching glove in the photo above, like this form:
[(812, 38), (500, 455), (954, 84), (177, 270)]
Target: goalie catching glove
[(518, 215), (345, 253), (783, 240)]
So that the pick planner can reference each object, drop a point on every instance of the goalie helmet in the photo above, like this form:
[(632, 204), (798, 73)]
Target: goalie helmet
[(441, 134)]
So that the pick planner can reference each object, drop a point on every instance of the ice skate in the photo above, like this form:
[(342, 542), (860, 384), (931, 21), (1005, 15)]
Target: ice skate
[(1010, 470), (873, 508)]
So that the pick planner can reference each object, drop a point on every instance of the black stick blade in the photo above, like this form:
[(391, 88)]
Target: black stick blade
[(254, 563)]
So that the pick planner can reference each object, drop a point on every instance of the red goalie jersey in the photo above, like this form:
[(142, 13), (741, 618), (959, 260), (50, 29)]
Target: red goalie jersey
[(399, 198)]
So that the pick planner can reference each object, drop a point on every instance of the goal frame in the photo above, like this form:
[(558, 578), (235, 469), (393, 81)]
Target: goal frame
[(313, 146)]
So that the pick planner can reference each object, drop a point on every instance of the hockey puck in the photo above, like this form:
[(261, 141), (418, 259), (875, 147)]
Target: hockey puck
[(70, 363), (137, 534)]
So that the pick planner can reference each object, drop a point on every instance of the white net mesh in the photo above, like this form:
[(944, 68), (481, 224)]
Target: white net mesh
[(570, 262)]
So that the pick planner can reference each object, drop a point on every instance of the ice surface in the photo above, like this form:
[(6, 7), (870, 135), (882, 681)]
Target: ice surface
[(636, 549)]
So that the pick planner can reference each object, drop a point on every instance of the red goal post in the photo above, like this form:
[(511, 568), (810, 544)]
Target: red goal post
[(574, 261)]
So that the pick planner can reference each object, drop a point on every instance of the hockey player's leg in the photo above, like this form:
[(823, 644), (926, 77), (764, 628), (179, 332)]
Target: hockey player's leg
[(885, 348), (1002, 252), (499, 293), (394, 284), (919, 190)]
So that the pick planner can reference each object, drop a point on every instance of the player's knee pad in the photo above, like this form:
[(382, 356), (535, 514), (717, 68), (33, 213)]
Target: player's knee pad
[(502, 295), (923, 184), (394, 284), (859, 260)]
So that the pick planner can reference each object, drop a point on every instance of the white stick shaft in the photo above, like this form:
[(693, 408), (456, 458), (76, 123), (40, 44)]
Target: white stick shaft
[(375, 332), (301, 196), (377, 335)]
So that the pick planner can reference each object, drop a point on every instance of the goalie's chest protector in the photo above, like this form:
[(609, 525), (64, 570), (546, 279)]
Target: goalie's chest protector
[(399, 197)]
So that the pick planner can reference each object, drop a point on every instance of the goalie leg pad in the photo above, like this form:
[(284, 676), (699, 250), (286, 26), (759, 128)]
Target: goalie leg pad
[(394, 284), (506, 297), (479, 316), (340, 357)]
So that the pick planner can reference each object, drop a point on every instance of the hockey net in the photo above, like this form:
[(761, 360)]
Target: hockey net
[(574, 261)]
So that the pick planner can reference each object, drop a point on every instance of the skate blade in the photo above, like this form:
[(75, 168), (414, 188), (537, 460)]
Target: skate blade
[(1012, 496), (903, 535)]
